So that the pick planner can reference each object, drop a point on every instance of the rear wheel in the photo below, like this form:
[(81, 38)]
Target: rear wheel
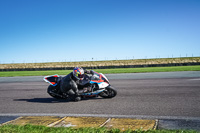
[(110, 92), (54, 92)]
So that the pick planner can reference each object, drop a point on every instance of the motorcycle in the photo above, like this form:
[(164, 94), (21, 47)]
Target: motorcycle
[(95, 85)]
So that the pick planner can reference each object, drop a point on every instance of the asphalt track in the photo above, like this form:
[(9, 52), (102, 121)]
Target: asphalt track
[(167, 96)]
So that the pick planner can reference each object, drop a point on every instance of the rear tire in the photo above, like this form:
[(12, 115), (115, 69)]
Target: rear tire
[(53, 90), (110, 92)]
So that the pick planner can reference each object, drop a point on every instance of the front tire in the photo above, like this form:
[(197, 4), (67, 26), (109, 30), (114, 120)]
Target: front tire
[(110, 92)]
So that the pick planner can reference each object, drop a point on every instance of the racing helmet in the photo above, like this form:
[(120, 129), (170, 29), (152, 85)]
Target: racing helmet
[(78, 73)]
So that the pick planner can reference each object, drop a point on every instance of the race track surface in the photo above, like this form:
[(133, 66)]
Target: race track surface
[(146, 95)]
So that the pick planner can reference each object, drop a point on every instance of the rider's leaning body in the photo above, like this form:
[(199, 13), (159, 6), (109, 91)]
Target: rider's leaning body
[(72, 81)]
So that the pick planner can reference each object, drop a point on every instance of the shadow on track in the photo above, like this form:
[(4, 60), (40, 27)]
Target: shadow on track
[(52, 100), (43, 100)]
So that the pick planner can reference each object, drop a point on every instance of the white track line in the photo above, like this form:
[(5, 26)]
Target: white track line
[(195, 79), (104, 115)]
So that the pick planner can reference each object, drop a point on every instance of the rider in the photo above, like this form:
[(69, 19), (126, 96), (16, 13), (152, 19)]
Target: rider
[(69, 84)]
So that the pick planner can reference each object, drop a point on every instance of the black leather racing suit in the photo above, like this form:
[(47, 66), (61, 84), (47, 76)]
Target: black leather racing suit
[(69, 84)]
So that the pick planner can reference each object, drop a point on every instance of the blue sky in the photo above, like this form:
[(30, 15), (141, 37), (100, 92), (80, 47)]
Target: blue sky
[(79, 30)]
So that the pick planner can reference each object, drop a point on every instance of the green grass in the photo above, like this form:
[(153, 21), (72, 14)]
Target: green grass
[(44, 129), (105, 71)]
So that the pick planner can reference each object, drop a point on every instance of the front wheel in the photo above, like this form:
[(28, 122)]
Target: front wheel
[(109, 92)]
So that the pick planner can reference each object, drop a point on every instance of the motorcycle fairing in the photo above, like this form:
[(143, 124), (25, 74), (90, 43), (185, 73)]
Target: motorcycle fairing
[(99, 79), (93, 93), (104, 77), (52, 80), (100, 84), (103, 85)]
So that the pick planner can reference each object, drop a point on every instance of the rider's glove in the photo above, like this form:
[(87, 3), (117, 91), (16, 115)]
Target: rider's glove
[(89, 72), (92, 72)]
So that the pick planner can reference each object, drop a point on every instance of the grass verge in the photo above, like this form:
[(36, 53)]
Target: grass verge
[(44, 129), (105, 71)]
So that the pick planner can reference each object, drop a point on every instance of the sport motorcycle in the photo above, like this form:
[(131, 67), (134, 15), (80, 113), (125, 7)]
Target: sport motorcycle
[(93, 86)]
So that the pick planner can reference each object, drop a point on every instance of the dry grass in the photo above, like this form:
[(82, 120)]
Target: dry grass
[(101, 63)]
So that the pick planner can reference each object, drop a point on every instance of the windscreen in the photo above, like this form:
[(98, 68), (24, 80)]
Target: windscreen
[(96, 76)]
